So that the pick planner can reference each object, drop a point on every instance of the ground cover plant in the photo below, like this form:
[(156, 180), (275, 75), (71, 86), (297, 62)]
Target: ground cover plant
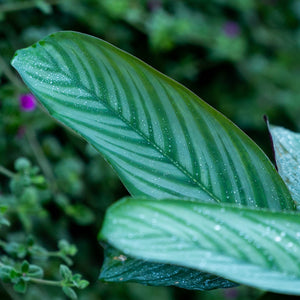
[(207, 202)]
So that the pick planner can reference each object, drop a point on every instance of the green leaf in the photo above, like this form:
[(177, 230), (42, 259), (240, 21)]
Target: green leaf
[(250, 246), (82, 284), (162, 139), (35, 271), (287, 154), (25, 266), (69, 292), (6, 272), (20, 286), (118, 267), (65, 272)]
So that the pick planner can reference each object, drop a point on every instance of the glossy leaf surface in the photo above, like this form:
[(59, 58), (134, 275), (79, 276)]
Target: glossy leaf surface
[(287, 154), (118, 267), (162, 140), (255, 247)]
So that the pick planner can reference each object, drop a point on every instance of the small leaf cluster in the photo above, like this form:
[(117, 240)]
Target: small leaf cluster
[(20, 274), (71, 280), (24, 259)]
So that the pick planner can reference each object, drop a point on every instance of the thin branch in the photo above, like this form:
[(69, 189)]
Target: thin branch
[(45, 282), (41, 158), (6, 172)]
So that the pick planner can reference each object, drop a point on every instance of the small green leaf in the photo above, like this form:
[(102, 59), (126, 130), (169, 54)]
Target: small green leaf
[(5, 273), (287, 154), (69, 292), (44, 6), (76, 277), (35, 271), (39, 181), (25, 266), (82, 284), (66, 248), (81, 214), (20, 286), (30, 241), (65, 272), (16, 249), (14, 274), (38, 251), (22, 164), (255, 247)]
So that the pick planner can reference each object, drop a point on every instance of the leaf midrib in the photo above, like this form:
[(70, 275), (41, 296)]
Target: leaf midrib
[(140, 133)]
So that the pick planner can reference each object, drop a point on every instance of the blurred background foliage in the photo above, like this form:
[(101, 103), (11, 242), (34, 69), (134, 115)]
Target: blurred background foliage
[(241, 56)]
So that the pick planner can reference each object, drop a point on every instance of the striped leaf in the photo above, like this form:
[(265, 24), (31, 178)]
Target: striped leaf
[(118, 267), (162, 140), (287, 154), (256, 247)]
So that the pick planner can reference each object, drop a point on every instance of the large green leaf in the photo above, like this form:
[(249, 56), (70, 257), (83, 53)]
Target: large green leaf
[(162, 140), (287, 154), (255, 247), (118, 267)]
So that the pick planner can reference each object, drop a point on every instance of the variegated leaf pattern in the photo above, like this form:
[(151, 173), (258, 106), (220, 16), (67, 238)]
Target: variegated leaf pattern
[(162, 140), (118, 267), (256, 247)]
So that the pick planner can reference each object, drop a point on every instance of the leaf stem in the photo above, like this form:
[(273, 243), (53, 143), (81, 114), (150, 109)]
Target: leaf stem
[(41, 158), (6, 172), (45, 282), (59, 255)]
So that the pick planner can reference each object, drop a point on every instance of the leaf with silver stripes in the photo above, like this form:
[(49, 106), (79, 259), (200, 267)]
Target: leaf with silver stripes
[(162, 140), (118, 267), (256, 247)]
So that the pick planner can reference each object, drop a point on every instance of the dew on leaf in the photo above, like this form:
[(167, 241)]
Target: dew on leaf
[(277, 239), (217, 227)]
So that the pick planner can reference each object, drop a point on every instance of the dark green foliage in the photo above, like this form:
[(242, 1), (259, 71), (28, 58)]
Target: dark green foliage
[(156, 274)]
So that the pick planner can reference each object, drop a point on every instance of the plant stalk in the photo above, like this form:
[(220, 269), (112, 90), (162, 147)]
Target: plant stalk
[(45, 282), (6, 172)]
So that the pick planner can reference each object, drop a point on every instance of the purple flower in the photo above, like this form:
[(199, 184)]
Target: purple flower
[(231, 29), (27, 102)]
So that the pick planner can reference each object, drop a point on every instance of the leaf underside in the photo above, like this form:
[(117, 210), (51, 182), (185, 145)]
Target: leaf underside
[(256, 247), (120, 268), (287, 154)]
